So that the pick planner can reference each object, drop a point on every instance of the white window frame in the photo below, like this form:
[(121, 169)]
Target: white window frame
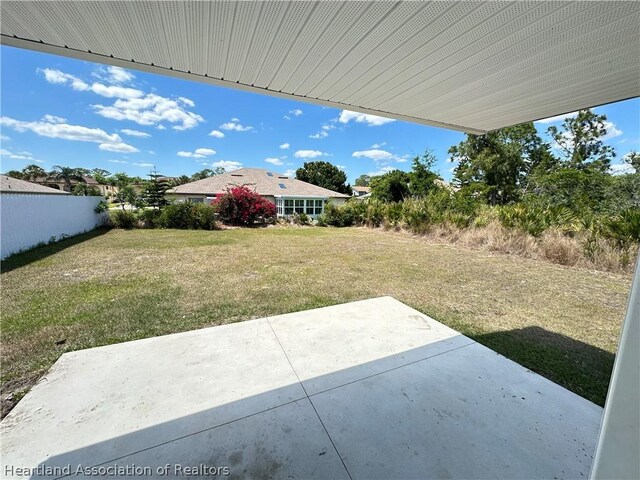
[(287, 206)]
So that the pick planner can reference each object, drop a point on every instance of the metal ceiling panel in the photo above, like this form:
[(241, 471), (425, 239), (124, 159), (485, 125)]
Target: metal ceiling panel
[(467, 65)]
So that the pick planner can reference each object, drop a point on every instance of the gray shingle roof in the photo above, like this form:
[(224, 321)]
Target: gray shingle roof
[(14, 185), (264, 182)]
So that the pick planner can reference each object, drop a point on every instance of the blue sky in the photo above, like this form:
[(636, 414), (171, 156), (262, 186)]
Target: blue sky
[(62, 111)]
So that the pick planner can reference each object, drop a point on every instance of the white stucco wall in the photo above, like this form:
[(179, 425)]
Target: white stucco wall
[(26, 219)]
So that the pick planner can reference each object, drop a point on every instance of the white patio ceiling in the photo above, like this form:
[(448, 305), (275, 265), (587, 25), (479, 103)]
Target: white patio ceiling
[(472, 66)]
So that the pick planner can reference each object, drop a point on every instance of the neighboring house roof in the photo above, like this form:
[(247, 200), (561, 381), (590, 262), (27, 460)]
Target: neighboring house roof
[(263, 181), (14, 185), (362, 189), (86, 178)]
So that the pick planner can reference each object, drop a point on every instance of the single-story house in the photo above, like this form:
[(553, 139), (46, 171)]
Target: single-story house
[(360, 191), (60, 184), (289, 194), (14, 185)]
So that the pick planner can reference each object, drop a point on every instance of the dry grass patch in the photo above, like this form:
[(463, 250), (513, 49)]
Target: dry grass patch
[(122, 285)]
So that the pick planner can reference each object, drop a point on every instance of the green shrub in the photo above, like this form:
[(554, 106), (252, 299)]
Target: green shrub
[(187, 215), (416, 215), (535, 219), (150, 217), (624, 228), (101, 207), (123, 219), (393, 215), (337, 215), (374, 212), (301, 219)]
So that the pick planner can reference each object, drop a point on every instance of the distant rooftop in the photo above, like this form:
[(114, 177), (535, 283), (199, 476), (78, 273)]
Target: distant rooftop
[(14, 185), (263, 181)]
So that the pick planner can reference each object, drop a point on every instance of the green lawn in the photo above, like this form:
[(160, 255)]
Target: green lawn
[(113, 286)]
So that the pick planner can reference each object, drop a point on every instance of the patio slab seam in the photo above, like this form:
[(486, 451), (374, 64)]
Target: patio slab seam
[(182, 437), (310, 402)]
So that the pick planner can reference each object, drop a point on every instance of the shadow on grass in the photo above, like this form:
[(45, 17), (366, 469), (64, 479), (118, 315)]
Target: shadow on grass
[(577, 366), (38, 253)]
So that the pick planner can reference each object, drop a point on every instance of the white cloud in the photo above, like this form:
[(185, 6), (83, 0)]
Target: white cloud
[(53, 119), (287, 117), (134, 133), (16, 155), (227, 164), (378, 145), (119, 75), (290, 173), (381, 171), (320, 134), (113, 91), (61, 78), (197, 153), (376, 155), (152, 152), (216, 133), (110, 91), (117, 161), (342, 167), (284, 146), (150, 110), (296, 113), (120, 147), (557, 118), (132, 104), (161, 127), (186, 101), (234, 119), (205, 151), (309, 154), (621, 169), (143, 164), (372, 120), (110, 142), (274, 161), (612, 131), (5, 138), (233, 125)]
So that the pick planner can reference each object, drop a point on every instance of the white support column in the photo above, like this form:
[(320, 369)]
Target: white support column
[(618, 451)]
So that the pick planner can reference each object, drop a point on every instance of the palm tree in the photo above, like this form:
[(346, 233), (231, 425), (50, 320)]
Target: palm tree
[(68, 175)]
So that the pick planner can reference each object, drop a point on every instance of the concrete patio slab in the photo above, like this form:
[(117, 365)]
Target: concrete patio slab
[(328, 347), (477, 414), (134, 391), (370, 389), (285, 442)]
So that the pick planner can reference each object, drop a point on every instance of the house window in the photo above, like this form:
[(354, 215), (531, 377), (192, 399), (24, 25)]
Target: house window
[(288, 207), (195, 199), (309, 208)]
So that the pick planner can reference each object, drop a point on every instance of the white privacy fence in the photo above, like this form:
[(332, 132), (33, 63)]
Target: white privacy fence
[(29, 219)]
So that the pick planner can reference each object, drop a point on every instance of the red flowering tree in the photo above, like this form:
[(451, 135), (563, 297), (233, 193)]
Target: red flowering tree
[(242, 206)]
